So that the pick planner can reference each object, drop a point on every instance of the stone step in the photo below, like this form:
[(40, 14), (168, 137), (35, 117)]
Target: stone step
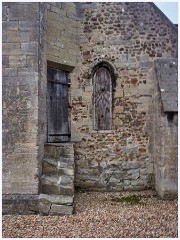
[(64, 161), (57, 150), (55, 204), (59, 167), (57, 199), (57, 180), (58, 185), (55, 209), (49, 167)]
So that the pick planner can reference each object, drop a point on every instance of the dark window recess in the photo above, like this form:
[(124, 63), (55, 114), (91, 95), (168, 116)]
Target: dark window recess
[(102, 99), (57, 106), (170, 117)]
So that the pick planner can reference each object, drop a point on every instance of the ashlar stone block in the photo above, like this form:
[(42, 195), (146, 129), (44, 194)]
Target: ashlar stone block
[(23, 11), (29, 48), (61, 210), (9, 25)]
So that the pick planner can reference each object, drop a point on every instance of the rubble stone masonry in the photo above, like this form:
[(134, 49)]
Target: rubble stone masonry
[(128, 37)]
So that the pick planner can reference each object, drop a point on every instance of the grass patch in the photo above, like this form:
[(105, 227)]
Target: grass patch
[(134, 199)]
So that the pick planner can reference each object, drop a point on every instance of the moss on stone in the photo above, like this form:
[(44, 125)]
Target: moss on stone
[(133, 199)]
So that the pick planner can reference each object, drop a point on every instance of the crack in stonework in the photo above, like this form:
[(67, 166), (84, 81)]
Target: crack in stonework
[(108, 178), (49, 208)]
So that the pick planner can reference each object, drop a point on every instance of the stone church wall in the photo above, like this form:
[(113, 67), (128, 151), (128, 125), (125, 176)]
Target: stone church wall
[(20, 66), (75, 37), (128, 36)]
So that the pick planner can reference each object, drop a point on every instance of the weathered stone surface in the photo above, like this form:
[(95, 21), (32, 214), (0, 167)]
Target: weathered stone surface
[(59, 151), (11, 49), (66, 190), (22, 157), (64, 25), (19, 204), (29, 48), (57, 182), (61, 210), (49, 188), (5, 61), (66, 180), (49, 168), (9, 25), (56, 199), (65, 171), (165, 132), (23, 11), (44, 208), (17, 61), (128, 143), (4, 13)]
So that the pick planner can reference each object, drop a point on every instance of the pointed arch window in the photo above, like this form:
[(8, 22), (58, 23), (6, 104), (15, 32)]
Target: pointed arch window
[(102, 99)]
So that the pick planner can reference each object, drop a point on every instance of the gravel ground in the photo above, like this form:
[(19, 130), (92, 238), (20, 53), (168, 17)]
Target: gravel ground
[(101, 215)]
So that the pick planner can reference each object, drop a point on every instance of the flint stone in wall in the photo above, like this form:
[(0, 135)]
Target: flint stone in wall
[(117, 181), (130, 165), (135, 176)]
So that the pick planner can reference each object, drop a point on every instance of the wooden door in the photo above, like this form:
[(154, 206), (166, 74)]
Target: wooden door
[(102, 99), (57, 104)]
